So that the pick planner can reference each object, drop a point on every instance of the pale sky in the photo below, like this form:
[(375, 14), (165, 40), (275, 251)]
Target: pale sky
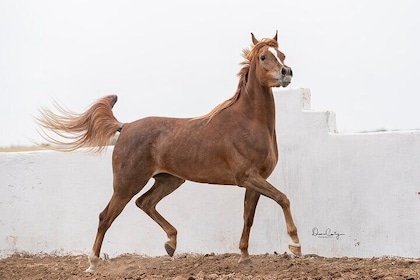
[(359, 58)]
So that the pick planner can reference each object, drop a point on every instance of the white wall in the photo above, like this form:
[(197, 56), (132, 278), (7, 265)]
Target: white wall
[(364, 187)]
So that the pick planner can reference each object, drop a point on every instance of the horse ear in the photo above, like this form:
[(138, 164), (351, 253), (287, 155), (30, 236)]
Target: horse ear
[(254, 40), (275, 37)]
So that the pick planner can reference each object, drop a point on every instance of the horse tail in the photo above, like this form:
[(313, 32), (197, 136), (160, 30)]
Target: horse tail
[(94, 129)]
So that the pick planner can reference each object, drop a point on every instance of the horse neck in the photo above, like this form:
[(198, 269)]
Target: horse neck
[(258, 103)]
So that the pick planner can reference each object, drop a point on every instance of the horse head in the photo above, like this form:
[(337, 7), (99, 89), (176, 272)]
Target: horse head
[(270, 69)]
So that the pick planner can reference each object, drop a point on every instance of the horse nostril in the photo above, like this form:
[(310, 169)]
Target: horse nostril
[(283, 71), (286, 71)]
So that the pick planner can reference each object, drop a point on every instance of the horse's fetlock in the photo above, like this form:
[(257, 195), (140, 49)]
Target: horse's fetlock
[(292, 232), (172, 233)]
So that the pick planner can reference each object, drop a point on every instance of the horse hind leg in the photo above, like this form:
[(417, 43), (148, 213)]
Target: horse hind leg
[(164, 185), (106, 217)]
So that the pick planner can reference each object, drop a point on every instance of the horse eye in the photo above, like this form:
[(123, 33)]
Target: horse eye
[(263, 57)]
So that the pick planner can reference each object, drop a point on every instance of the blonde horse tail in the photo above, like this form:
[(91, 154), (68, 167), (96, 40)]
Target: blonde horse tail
[(94, 129)]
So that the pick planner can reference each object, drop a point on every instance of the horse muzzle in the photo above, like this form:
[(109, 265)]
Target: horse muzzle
[(286, 76)]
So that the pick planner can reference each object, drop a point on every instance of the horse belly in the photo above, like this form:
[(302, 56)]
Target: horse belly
[(198, 162), (203, 171)]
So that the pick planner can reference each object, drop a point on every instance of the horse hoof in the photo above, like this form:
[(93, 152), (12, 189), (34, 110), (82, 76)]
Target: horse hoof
[(169, 249), (90, 270), (93, 261), (245, 261), (295, 249)]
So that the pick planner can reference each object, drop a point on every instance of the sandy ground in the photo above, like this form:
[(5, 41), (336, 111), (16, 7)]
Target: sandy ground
[(190, 267)]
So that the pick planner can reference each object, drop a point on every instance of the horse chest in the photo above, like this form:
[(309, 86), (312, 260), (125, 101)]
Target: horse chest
[(269, 160), (261, 149)]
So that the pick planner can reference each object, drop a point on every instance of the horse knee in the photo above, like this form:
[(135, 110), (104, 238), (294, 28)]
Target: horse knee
[(248, 221), (283, 201)]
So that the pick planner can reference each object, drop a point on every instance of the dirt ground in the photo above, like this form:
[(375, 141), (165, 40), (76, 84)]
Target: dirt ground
[(211, 266)]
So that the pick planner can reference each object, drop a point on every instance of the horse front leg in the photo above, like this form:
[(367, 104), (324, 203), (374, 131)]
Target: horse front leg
[(250, 203), (258, 184)]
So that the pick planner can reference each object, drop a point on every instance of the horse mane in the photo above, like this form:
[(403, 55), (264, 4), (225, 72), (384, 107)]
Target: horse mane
[(248, 54)]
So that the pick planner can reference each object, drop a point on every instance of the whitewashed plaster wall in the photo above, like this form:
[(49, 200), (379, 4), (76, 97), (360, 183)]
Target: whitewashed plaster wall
[(351, 195)]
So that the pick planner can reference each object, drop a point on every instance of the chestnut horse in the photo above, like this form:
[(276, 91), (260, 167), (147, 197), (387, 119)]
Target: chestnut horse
[(234, 144)]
